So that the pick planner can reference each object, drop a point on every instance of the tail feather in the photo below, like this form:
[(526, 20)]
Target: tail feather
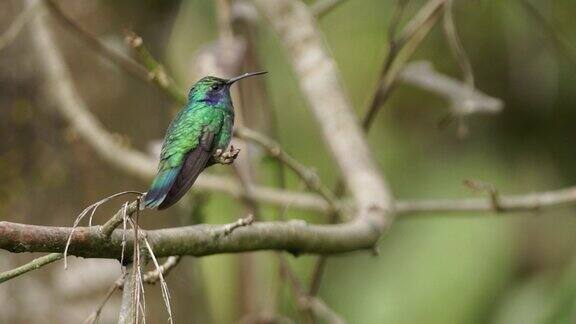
[(160, 187), (194, 164)]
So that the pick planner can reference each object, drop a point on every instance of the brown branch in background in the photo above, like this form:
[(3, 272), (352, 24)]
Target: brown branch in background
[(305, 302), (154, 70), (150, 277), (18, 24), (95, 316), (127, 64)]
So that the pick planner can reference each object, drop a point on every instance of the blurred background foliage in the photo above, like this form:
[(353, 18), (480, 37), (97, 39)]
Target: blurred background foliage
[(457, 268)]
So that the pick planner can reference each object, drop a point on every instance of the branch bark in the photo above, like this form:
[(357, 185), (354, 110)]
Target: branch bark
[(296, 237)]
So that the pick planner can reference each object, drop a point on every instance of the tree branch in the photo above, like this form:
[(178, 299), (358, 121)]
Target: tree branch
[(513, 203), (198, 240), (320, 83), (294, 236), (462, 100)]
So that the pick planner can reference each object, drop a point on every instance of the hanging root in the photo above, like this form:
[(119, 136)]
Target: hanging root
[(92, 209), (159, 270)]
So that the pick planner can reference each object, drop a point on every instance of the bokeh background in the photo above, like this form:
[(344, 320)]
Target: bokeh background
[(432, 268)]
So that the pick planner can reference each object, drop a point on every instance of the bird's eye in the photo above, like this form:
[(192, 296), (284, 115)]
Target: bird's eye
[(215, 87)]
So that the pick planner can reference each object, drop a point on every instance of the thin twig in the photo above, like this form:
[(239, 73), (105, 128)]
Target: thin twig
[(306, 302), (229, 228), (156, 71), (151, 277), (308, 176), (463, 61), (95, 316), (400, 50), (125, 63), (30, 266)]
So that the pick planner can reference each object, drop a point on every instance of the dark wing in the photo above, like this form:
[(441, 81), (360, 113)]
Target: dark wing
[(194, 163)]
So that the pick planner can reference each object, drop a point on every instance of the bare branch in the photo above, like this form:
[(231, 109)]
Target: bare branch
[(18, 24), (295, 237), (118, 218), (125, 63), (308, 303), (95, 316), (462, 102), (32, 265), (320, 82), (321, 310), (527, 202), (151, 277), (154, 70)]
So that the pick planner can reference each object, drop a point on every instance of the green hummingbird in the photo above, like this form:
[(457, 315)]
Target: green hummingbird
[(197, 138)]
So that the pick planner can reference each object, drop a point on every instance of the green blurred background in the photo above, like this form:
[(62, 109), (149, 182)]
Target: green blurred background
[(433, 268)]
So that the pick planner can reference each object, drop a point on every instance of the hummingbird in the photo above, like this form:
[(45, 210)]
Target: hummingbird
[(197, 138)]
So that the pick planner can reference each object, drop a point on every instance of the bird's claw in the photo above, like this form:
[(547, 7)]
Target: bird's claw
[(227, 157)]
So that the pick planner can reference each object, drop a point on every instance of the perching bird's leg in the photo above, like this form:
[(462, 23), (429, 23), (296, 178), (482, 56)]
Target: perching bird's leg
[(226, 157)]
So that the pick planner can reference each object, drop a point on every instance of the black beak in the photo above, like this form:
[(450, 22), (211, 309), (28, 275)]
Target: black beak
[(245, 75)]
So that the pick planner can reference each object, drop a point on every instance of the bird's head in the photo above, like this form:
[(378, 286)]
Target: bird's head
[(215, 91)]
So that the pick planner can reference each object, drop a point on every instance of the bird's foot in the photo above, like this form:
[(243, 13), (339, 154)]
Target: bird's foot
[(226, 157)]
